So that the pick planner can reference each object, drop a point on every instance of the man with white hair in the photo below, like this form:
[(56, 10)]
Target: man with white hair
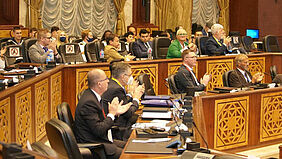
[(179, 45), (214, 46)]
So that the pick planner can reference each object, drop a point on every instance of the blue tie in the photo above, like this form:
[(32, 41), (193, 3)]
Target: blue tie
[(45, 49)]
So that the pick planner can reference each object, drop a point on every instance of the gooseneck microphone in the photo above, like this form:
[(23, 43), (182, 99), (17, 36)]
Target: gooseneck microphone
[(207, 147)]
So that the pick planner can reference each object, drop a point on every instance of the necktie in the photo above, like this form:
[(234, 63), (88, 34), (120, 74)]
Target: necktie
[(147, 45), (101, 102), (45, 49), (246, 76)]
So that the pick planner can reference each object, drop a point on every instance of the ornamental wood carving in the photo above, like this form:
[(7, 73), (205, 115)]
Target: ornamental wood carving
[(216, 68), (23, 116), (41, 108), (271, 116), (56, 93), (231, 123), (5, 122), (257, 64)]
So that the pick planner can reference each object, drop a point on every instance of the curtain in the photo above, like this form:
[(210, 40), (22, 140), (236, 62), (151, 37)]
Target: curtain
[(224, 14), (35, 15), (205, 11), (120, 27), (73, 16), (172, 13)]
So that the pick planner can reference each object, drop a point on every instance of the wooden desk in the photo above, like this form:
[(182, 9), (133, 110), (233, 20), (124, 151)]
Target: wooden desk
[(236, 121)]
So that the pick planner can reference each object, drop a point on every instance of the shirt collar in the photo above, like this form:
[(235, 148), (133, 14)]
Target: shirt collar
[(191, 69), (97, 95), (242, 71), (117, 82)]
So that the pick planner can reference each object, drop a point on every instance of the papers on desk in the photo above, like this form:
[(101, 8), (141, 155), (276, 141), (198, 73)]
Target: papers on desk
[(152, 140), (156, 102), (157, 115), (153, 123), (160, 97)]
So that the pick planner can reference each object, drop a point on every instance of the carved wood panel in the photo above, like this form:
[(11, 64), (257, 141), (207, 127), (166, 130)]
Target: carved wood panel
[(23, 116), (173, 68), (41, 108), (56, 93), (271, 116), (5, 122), (216, 68), (231, 123), (257, 64)]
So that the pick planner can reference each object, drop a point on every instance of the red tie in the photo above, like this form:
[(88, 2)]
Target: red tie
[(101, 102)]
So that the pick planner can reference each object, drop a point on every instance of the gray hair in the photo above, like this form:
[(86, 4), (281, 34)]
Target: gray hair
[(215, 28)]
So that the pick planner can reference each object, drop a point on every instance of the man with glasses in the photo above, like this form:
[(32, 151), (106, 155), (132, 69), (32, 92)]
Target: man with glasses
[(39, 51), (121, 78), (241, 77), (142, 46), (92, 121), (179, 45), (186, 78)]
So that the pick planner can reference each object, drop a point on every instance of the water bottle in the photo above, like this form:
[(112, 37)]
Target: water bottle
[(48, 59), (51, 54), (101, 54), (150, 57)]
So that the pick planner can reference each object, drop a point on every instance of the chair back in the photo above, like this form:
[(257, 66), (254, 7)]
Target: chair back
[(225, 78), (248, 43), (72, 38), (236, 41), (13, 54), (144, 79), (44, 149), (273, 71), (64, 114), (160, 47), (201, 41), (76, 40), (91, 51), (122, 47), (27, 44), (171, 83), (61, 139), (80, 94), (270, 44), (70, 53), (130, 47), (3, 40)]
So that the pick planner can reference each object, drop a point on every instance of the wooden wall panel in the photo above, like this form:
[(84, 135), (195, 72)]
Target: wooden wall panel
[(9, 12)]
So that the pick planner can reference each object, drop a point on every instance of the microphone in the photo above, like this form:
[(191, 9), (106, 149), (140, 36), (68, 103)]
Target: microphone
[(207, 148)]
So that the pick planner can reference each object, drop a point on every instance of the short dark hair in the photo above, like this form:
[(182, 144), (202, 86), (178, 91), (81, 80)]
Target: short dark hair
[(111, 38), (54, 28), (128, 33), (143, 31), (118, 68), (184, 53), (32, 29), (16, 28), (104, 35)]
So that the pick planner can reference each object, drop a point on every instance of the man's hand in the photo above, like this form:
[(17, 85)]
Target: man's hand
[(129, 57), (123, 108), (138, 92), (257, 77), (3, 50), (113, 106), (52, 46), (226, 41), (192, 47), (131, 88), (205, 80)]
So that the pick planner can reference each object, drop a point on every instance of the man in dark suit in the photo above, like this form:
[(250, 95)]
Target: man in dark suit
[(241, 77), (214, 45), (185, 77), (121, 77), (142, 45), (92, 124)]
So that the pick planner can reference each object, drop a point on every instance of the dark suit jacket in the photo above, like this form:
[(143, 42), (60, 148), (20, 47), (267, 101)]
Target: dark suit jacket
[(184, 79), (237, 79), (115, 90), (139, 49), (213, 48), (90, 125)]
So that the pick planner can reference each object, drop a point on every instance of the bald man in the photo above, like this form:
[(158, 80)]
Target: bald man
[(91, 123)]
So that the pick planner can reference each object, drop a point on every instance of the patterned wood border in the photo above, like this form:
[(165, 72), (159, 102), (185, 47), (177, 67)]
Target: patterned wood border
[(271, 116), (5, 122), (257, 64), (231, 123), (216, 68), (41, 108), (56, 93), (23, 116)]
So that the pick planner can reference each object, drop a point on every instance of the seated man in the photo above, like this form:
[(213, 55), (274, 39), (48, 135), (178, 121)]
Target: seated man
[(91, 123), (17, 37), (32, 32), (214, 46), (129, 36), (39, 51), (241, 77), (185, 77), (111, 50), (179, 45), (121, 77), (142, 45)]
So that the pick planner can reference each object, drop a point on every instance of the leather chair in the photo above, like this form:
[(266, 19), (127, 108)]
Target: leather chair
[(72, 38), (171, 83), (130, 47), (201, 43), (64, 114), (91, 52), (270, 44), (122, 48), (62, 140), (44, 149), (225, 78), (71, 55), (273, 71), (26, 45), (13, 54), (77, 41), (236, 41), (248, 43), (80, 94), (3, 40), (144, 78), (160, 47)]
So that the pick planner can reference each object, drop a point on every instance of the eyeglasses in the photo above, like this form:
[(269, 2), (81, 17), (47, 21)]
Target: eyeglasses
[(192, 57), (48, 37), (127, 74), (182, 34), (103, 79)]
